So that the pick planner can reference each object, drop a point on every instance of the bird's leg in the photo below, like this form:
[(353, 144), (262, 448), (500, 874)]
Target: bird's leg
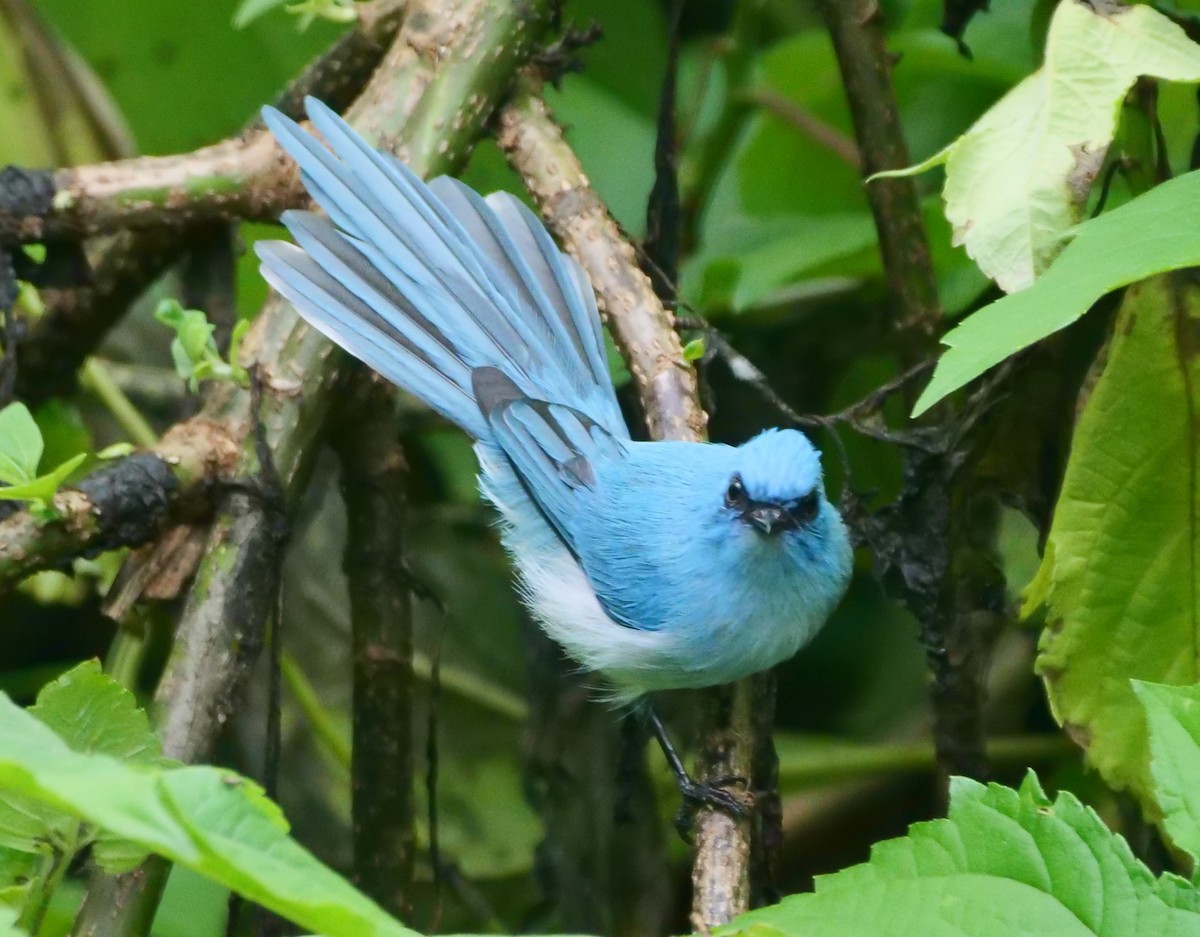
[(695, 793)]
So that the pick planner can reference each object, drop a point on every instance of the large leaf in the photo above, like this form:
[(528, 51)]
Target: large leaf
[(1120, 573), (90, 712), (1149, 235), (1004, 863), (1018, 179), (1173, 714), (207, 819)]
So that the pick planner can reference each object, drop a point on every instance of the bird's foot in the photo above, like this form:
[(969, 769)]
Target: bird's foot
[(714, 794)]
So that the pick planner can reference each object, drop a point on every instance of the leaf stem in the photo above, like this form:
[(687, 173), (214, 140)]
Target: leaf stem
[(96, 379)]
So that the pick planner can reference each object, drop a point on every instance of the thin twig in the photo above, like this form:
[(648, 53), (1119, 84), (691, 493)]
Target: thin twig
[(808, 123)]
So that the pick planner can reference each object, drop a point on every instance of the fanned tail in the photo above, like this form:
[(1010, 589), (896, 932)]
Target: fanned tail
[(426, 283)]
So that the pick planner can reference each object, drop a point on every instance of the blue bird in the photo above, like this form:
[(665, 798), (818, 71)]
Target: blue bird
[(658, 565)]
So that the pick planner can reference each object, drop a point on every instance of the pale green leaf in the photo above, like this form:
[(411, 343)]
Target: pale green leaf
[(20, 444), (209, 820), (1153, 233), (1173, 715), (1120, 576), (1004, 863), (44, 487), (1019, 178), (250, 10), (693, 350), (8, 923), (117, 450)]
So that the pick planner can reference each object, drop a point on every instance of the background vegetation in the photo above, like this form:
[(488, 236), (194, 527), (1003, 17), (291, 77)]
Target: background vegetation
[(1028, 548)]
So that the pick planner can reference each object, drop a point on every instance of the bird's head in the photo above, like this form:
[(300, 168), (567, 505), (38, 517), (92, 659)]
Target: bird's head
[(776, 484)]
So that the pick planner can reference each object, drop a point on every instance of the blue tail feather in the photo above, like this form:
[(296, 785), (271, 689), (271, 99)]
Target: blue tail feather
[(428, 283)]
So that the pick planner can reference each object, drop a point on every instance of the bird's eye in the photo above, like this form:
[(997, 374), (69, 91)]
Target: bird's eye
[(806, 509), (735, 494)]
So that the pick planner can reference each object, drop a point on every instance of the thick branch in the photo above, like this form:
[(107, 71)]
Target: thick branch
[(245, 177), (382, 768), (124, 504), (933, 546), (667, 388), (641, 327), (439, 82)]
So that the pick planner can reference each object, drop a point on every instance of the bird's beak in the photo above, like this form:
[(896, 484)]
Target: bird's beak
[(768, 517)]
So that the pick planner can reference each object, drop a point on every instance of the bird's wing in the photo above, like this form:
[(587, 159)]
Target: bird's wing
[(435, 275), (553, 448)]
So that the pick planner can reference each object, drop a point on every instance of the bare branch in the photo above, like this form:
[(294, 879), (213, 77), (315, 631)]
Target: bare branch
[(667, 386), (856, 27)]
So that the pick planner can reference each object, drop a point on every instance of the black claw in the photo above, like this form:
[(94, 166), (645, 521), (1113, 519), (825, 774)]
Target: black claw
[(713, 795)]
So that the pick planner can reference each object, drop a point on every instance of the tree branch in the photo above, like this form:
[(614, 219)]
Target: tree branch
[(382, 767), (124, 504), (933, 547), (439, 82), (77, 319), (856, 27), (667, 388)]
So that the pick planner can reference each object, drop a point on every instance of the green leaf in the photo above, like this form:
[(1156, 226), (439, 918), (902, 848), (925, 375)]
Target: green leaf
[(41, 490), (91, 713), (1173, 715), (1019, 178), (20, 444), (8, 923), (211, 821), (117, 450), (1004, 863), (693, 350), (1153, 233), (1121, 571), (250, 10)]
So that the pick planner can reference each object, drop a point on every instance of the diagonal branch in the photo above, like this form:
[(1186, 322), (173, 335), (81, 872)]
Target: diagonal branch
[(667, 388)]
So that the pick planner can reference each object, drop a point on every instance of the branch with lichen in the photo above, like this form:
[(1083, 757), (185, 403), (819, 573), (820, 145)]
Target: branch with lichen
[(429, 101), (668, 390)]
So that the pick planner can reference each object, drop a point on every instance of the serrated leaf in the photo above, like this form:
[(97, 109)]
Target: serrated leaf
[(91, 713), (1121, 575), (1019, 178), (1004, 863), (207, 819), (43, 488), (20, 444), (1154, 233), (1173, 715)]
